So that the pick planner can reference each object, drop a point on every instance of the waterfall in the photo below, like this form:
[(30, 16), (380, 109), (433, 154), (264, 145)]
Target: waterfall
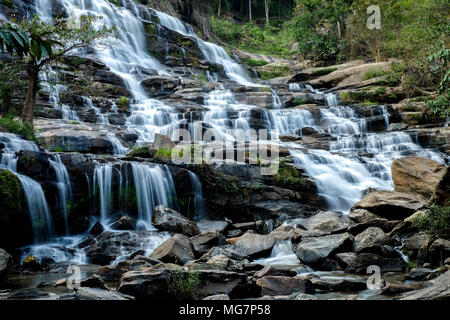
[(199, 201), (101, 118), (294, 87), (331, 100), (103, 177), (64, 186), (282, 254), (212, 52), (41, 219)]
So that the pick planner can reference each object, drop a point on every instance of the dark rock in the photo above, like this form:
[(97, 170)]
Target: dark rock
[(177, 249), (5, 263), (439, 251), (364, 260), (204, 241), (96, 229), (254, 245), (168, 219), (124, 223), (278, 285), (370, 240), (437, 289)]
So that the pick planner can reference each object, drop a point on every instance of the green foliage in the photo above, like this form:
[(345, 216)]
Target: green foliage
[(435, 221), (299, 101), (142, 152), (253, 38), (25, 129), (185, 285), (254, 62), (323, 72), (288, 177), (440, 62), (123, 103), (12, 87), (10, 193), (275, 71)]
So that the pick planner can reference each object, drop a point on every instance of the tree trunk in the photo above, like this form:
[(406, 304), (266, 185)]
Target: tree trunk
[(33, 79), (250, 10), (220, 7), (266, 9)]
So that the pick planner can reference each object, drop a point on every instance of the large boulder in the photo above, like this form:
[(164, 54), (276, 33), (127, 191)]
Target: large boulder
[(439, 251), (417, 246), (204, 241), (316, 249), (391, 204), (441, 194), (279, 285), (417, 175), (162, 142), (254, 245), (5, 263), (371, 239), (437, 289), (168, 219), (324, 222), (363, 260), (177, 249)]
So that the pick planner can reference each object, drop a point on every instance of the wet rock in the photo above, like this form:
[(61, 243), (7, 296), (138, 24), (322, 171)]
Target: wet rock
[(273, 271), (393, 289), (254, 245), (315, 250), (177, 249), (168, 219), (437, 289), (95, 294), (124, 223), (5, 263), (96, 229), (391, 205), (94, 281), (370, 240), (418, 176), (346, 258), (218, 297), (227, 251), (338, 285), (286, 232), (209, 225), (278, 285), (204, 241), (364, 260), (417, 246), (162, 142), (419, 273), (113, 273)]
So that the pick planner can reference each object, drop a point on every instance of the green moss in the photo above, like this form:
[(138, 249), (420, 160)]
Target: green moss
[(274, 72), (151, 29), (124, 102), (299, 101), (10, 193), (185, 285)]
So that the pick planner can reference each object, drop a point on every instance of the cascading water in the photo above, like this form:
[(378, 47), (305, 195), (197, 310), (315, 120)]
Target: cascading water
[(64, 186), (41, 219), (197, 198), (103, 178)]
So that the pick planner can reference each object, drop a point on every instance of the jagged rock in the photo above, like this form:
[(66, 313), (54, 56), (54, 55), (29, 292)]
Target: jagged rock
[(370, 240), (96, 229), (338, 285), (168, 219), (278, 285), (437, 289), (315, 250), (363, 219), (208, 225), (5, 263), (418, 176), (441, 194), (391, 205), (177, 249), (286, 232), (94, 281), (229, 252), (419, 273), (272, 271), (346, 258), (113, 273), (254, 245)]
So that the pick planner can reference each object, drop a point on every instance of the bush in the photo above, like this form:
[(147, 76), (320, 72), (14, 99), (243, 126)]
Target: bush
[(254, 62), (24, 129), (435, 221), (142, 152), (374, 73), (124, 102), (185, 285)]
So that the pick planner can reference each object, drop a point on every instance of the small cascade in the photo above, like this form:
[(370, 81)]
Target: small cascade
[(101, 118), (212, 52), (197, 199), (282, 255), (331, 100), (343, 121), (64, 186), (276, 101), (103, 178), (292, 121), (154, 186), (294, 87), (118, 148)]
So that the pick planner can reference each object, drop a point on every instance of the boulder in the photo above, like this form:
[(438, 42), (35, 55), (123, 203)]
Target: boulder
[(124, 223), (417, 175), (436, 289), (204, 241), (370, 240), (391, 204), (162, 142), (272, 271), (324, 222), (96, 229), (209, 225), (393, 289), (439, 251), (168, 219), (441, 194), (5, 263), (31, 263), (364, 260), (95, 294), (419, 273), (254, 245), (316, 249), (278, 285), (339, 284), (417, 246), (177, 249)]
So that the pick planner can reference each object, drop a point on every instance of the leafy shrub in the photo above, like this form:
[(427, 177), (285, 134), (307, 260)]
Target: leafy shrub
[(254, 62), (24, 129), (435, 221), (375, 73), (142, 152), (124, 102), (185, 285)]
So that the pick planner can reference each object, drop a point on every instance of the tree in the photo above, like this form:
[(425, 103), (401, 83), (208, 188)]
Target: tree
[(40, 44), (266, 9)]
